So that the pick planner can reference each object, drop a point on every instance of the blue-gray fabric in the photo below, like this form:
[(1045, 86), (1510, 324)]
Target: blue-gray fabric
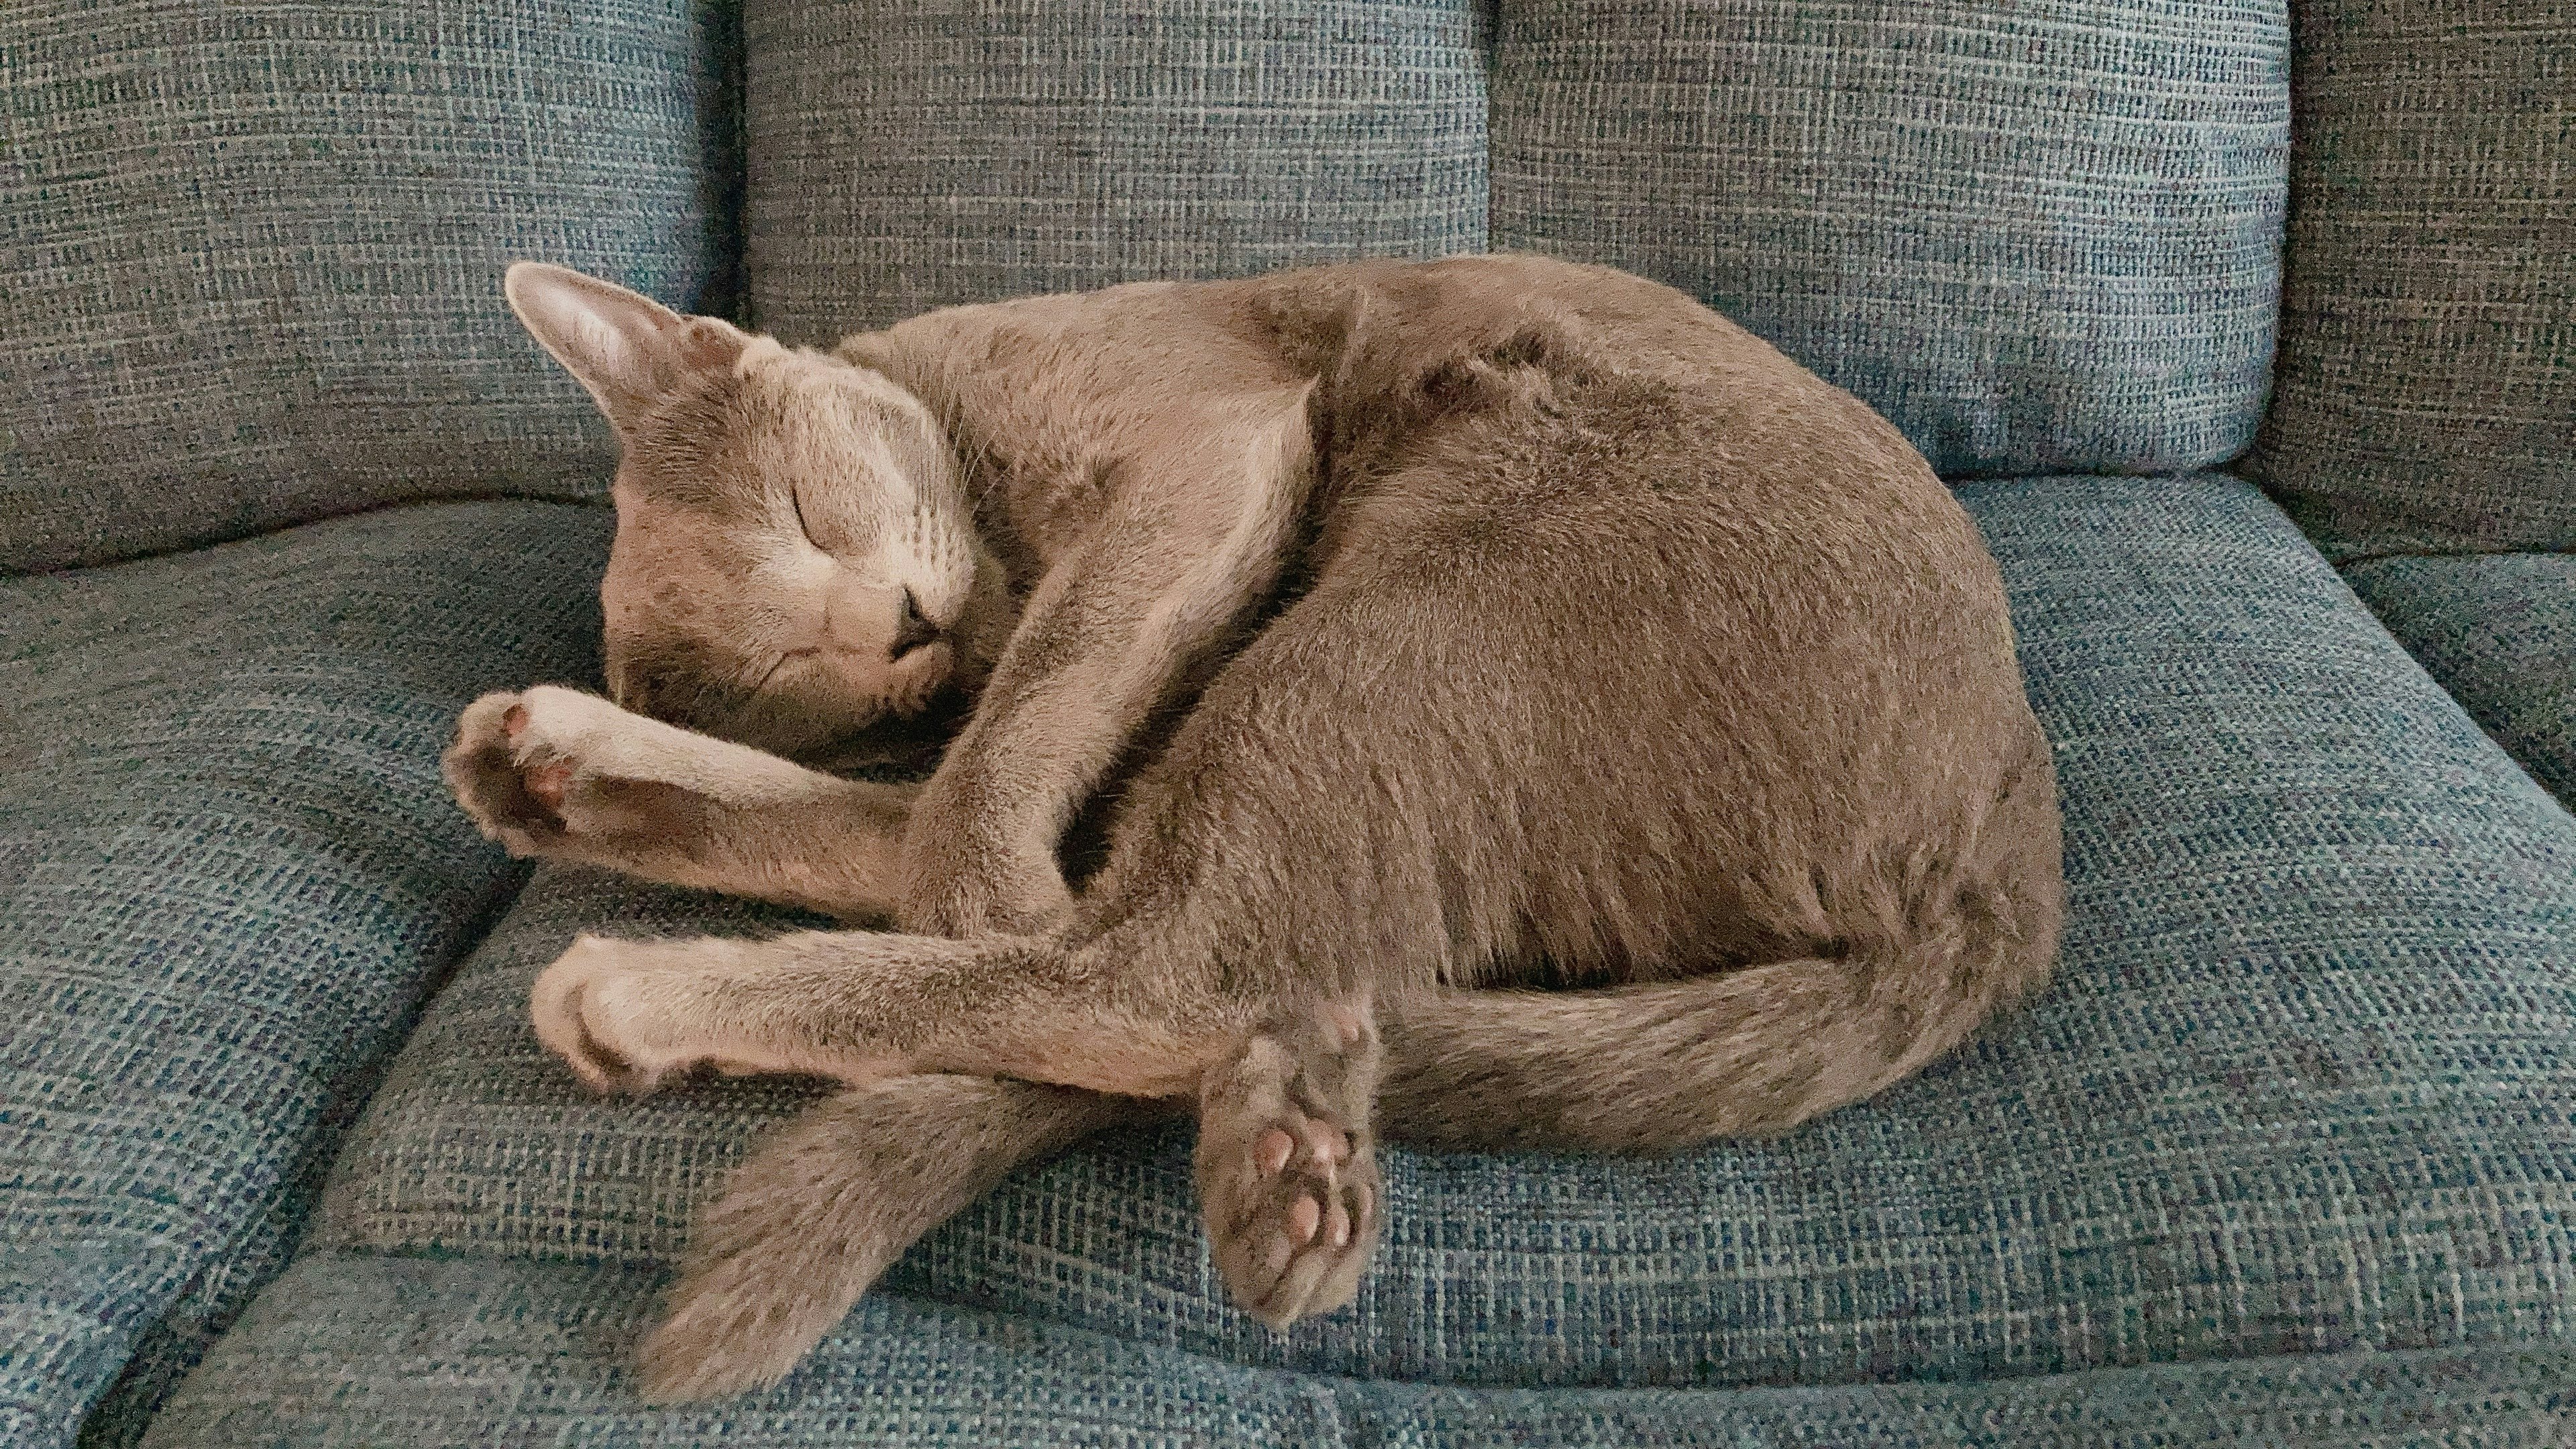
[(915, 156), (2301, 1089), (228, 874), (2499, 632), (2036, 236), (253, 249), (2426, 398), (354, 1352)]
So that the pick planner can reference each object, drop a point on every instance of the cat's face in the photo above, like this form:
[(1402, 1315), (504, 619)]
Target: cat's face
[(795, 560)]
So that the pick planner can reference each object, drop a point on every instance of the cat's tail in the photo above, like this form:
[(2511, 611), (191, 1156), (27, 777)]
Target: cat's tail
[(828, 1203), (1749, 1051)]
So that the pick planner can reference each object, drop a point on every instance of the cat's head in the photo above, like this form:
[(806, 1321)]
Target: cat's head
[(795, 558)]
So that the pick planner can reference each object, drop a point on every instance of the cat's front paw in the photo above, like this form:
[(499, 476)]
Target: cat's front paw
[(627, 1016), (514, 800), (620, 1013), (556, 773)]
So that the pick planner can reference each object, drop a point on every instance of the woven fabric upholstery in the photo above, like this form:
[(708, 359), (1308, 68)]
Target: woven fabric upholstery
[(916, 156), (2035, 236), (2499, 632), (352, 1352), (2301, 1088), (227, 874), (2426, 397), (253, 249)]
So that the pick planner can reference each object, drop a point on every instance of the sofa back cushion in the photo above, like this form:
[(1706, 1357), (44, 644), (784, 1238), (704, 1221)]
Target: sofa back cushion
[(253, 250), (905, 158), (2037, 236), (2427, 392)]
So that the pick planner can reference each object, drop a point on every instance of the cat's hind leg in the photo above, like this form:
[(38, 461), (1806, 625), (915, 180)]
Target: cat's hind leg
[(1287, 1160)]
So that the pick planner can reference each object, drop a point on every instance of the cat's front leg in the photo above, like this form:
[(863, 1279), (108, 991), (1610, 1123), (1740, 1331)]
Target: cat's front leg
[(627, 1016), (974, 866), (560, 774), (1125, 1013), (1195, 539)]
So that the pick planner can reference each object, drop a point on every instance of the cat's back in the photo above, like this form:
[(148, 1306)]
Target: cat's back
[(1189, 343), (1540, 406), (1372, 331), (1469, 397)]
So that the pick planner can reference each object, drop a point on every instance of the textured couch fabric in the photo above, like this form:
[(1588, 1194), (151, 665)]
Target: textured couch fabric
[(227, 874), (357, 1352), (254, 249), (2300, 1090), (917, 156), (2426, 398), (2036, 236), (2499, 632)]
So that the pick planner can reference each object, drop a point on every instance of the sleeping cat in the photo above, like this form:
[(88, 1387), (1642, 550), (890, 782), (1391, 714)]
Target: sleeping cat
[(1446, 631)]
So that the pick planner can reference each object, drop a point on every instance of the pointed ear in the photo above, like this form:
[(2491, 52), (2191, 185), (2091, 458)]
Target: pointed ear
[(626, 348)]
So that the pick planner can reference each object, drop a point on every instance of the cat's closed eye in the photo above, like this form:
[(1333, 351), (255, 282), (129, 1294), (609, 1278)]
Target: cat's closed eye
[(796, 505)]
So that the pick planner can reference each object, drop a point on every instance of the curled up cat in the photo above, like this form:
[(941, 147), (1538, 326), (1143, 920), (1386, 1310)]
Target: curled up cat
[(1528, 710)]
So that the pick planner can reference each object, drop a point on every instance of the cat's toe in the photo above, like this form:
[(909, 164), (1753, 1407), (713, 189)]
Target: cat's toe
[(1294, 1243), (545, 779), (1287, 1165)]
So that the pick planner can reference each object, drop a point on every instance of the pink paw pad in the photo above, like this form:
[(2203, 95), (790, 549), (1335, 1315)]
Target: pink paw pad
[(546, 784)]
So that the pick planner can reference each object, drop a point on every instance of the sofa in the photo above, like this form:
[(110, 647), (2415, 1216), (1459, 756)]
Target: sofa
[(2246, 330)]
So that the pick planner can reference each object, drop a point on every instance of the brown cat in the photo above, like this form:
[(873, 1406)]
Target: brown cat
[(1455, 630)]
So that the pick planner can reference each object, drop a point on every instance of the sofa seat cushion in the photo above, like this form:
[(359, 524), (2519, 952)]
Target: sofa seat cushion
[(2037, 236), (355, 1351), (2300, 1089), (2499, 632), (228, 875)]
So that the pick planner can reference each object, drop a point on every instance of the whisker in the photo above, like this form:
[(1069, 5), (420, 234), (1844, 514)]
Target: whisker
[(751, 697), (764, 681)]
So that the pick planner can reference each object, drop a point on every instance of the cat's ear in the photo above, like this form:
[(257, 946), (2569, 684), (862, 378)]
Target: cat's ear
[(626, 348)]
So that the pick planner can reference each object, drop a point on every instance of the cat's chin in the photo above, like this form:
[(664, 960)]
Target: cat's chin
[(895, 744)]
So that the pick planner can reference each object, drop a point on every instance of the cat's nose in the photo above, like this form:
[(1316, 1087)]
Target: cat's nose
[(911, 631)]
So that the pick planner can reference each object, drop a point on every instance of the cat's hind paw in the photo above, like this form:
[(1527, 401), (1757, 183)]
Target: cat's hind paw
[(1287, 1162)]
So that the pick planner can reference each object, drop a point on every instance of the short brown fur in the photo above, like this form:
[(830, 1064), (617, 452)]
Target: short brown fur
[(1536, 706)]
